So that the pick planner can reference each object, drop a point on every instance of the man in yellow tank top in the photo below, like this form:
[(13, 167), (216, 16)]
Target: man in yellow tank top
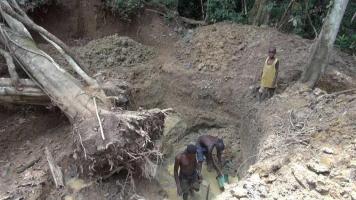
[(269, 75)]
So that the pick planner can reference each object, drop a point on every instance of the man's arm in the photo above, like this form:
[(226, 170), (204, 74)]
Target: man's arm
[(176, 167), (199, 159), (213, 161), (276, 75), (218, 153)]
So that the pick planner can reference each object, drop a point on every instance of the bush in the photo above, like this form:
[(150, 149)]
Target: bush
[(168, 3), (124, 8), (30, 5), (222, 10), (347, 43)]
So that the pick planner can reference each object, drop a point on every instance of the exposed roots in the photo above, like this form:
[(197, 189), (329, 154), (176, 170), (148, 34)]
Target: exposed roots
[(129, 143)]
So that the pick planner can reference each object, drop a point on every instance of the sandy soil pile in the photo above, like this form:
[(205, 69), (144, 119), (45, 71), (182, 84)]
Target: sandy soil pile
[(113, 52), (240, 50)]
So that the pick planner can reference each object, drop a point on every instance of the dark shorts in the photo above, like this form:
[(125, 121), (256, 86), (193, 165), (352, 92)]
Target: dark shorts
[(189, 182), (201, 152)]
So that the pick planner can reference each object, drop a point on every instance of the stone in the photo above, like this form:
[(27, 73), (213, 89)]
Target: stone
[(352, 164), (343, 176), (303, 176), (271, 178), (239, 192), (319, 168), (321, 185), (353, 195), (318, 91), (328, 150), (354, 141)]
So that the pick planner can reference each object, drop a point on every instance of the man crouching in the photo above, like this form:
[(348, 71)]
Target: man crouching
[(187, 179)]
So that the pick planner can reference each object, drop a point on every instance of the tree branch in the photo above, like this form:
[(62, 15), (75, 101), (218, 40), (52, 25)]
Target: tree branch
[(12, 70), (30, 93), (33, 26), (70, 60), (281, 22), (309, 19)]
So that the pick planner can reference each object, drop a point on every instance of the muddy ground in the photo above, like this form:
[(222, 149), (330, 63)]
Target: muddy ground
[(206, 75)]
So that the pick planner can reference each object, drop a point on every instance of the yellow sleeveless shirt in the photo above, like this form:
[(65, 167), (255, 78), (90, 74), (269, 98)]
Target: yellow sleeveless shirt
[(268, 74)]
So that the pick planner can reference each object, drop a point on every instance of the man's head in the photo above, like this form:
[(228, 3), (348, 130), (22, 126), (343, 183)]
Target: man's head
[(220, 145), (272, 52), (191, 149)]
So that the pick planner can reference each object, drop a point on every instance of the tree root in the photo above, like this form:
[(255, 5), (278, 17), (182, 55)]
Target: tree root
[(129, 142)]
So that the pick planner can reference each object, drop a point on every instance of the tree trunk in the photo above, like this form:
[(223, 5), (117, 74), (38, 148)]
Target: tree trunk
[(63, 89), (260, 13), (30, 93), (322, 48), (106, 138)]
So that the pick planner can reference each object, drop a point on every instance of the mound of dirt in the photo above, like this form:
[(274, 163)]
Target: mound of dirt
[(242, 49), (114, 52), (307, 150)]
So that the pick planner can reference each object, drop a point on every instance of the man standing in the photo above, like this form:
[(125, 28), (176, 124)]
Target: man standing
[(187, 179), (269, 75), (205, 147)]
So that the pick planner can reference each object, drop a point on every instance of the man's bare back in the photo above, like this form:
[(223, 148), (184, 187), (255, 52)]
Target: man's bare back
[(206, 144)]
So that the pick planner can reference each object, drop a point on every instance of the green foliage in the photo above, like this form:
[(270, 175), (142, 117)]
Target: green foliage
[(347, 43), (222, 10), (124, 8), (168, 3), (33, 4), (169, 17)]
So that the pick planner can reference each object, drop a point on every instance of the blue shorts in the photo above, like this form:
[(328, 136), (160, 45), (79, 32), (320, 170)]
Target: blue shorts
[(201, 151)]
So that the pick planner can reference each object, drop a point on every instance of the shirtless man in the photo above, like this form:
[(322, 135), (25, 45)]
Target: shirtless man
[(187, 178), (205, 147)]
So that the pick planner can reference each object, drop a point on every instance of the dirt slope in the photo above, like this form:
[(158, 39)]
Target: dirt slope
[(307, 150)]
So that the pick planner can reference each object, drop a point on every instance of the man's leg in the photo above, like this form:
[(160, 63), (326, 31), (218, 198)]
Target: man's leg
[(262, 94), (270, 92), (184, 185)]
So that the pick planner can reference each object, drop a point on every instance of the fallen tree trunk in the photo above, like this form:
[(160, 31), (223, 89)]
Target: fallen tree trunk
[(30, 93), (106, 138)]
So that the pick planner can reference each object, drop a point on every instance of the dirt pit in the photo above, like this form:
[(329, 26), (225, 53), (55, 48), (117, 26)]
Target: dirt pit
[(206, 77)]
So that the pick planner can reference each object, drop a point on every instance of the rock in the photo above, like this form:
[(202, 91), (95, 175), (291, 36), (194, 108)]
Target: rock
[(201, 66), (255, 178), (353, 195), (321, 185), (319, 168), (239, 192), (271, 178), (318, 92), (354, 141), (327, 150), (303, 176), (352, 164)]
